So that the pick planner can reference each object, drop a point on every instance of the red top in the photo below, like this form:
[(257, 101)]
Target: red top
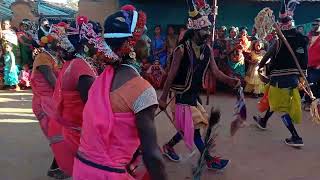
[(314, 53), (68, 100)]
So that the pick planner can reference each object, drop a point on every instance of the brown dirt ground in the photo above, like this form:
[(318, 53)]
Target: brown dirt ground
[(255, 155)]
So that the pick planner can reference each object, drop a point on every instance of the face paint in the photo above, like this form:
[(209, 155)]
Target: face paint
[(316, 27), (203, 35)]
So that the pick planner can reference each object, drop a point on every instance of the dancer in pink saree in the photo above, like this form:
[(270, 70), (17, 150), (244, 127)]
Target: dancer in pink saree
[(115, 122), (70, 95), (43, 80)]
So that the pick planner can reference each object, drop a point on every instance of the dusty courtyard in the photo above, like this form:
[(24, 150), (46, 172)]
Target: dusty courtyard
[(255, 155)]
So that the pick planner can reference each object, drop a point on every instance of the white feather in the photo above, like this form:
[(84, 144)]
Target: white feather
[(292, 5)]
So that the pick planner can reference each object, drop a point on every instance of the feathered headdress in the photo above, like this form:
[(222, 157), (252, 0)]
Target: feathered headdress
[(199, 12), (87, 32), (58, 34), (286, 14)]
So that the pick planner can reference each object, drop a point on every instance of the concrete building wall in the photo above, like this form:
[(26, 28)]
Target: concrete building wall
[(22, 11), (97, 10)]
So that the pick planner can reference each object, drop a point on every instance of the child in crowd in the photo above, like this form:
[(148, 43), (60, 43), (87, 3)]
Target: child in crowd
[(1, 78), (1, 68), (253, 82), (24, 77), (11, 70), (244, 40), (237, 64)]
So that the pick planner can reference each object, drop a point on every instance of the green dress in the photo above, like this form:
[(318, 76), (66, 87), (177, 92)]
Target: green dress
[(11, 71)]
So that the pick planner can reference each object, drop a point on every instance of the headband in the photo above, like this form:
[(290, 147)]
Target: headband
[(124, 35)]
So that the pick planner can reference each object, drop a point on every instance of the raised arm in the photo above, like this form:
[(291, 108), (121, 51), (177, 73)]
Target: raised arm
[(150, 150)]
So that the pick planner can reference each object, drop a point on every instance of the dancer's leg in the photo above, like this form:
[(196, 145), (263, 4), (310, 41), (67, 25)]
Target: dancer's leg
[(212, 162), (175, 139), (262, 121), (54, 165), (55, 171), (168, 149), (295, 139)]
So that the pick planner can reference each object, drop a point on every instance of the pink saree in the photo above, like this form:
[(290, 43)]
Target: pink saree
[(43, 108), (62, 152), (108, 140), (42, 100), (69, 108)]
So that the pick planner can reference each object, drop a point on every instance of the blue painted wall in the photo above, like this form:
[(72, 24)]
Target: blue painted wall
[(231, 12), (161, 13)]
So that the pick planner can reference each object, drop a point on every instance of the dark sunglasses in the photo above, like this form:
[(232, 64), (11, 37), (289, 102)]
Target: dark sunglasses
[(315, 25)]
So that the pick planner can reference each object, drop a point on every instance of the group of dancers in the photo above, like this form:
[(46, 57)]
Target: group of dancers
[(97, 111)]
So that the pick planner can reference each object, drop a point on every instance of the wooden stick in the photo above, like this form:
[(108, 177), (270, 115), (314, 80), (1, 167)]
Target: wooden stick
[(208, 86), (169, 117), (215, 13), (157, 114)]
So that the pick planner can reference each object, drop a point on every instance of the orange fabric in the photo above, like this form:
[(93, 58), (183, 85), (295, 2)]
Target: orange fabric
[(123, 98), (263, 104), (43, 59)]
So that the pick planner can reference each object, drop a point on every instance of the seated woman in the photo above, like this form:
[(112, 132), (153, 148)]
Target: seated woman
[(156, 75)]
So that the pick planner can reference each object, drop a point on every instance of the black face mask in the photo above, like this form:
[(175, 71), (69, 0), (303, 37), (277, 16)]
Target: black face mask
[(316, 28), (202, 39)]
